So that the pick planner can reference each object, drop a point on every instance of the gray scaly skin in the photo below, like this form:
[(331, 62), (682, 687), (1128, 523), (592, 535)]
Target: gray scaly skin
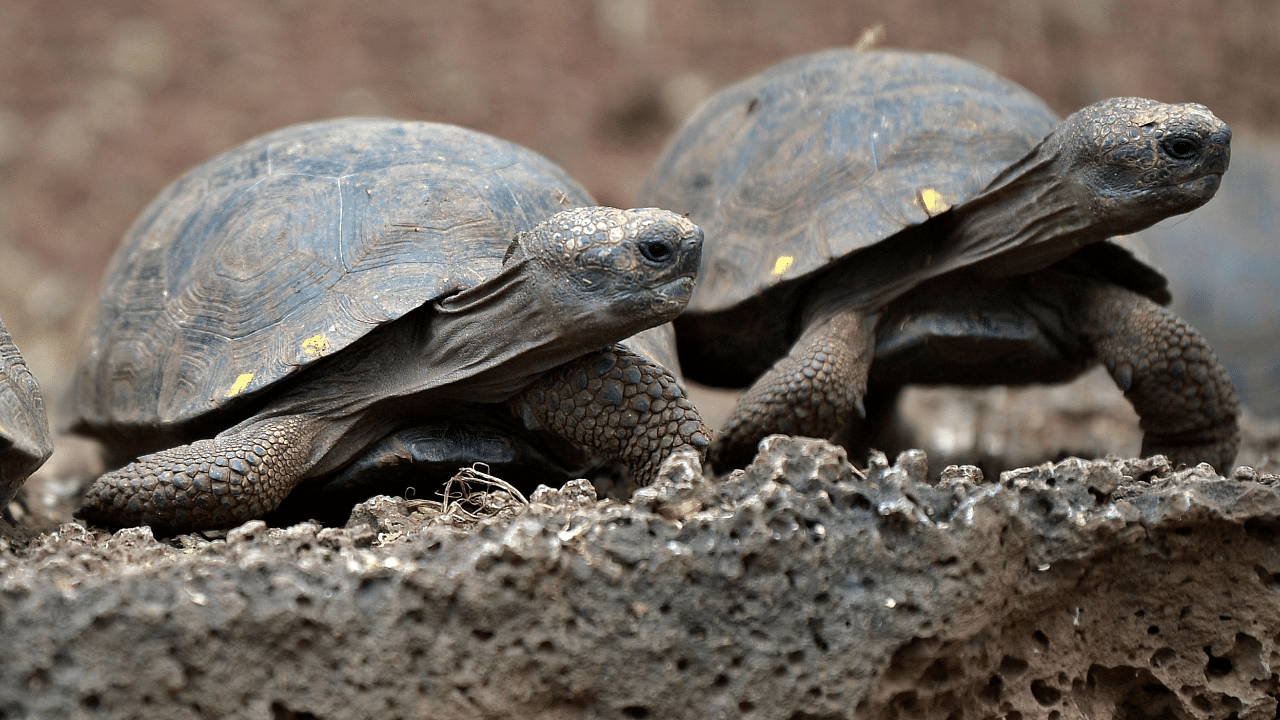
[(637, 268), (619, 404), (1187, 406), (1112, 168), (815, 388)]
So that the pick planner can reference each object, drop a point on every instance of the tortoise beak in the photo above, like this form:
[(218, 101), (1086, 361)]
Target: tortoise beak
[(680, 289), (691, 254), (1220, 160)]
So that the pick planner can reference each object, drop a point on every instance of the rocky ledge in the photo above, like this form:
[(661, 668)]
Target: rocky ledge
[(801, 588)]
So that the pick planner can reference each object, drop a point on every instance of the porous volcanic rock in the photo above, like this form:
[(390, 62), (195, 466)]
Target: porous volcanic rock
[(799, 588)]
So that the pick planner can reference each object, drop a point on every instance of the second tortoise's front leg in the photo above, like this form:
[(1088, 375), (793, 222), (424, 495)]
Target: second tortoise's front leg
[(815, 390), (620, 405), (1187, 405)]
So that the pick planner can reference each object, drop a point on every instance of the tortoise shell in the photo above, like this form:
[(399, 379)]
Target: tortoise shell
[(826, 154), (24, 428), (285, 250)]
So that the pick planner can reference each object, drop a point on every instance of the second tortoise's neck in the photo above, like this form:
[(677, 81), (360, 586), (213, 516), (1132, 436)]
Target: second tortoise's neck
[(1032, 215), (1028, 218)]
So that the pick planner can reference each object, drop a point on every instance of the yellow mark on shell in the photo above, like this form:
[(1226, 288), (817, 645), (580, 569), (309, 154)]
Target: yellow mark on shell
[(241, 383), (781, 265), (932, 202), (316, 345)]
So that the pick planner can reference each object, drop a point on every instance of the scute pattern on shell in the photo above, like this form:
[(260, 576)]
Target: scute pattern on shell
[(832, 153), (25, 442), (184, 325)]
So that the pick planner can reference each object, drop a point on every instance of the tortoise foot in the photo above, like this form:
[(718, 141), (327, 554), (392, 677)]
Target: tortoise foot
[(814, 391), (1188, 407), (217, 483), (620, 404), (1217, 448)]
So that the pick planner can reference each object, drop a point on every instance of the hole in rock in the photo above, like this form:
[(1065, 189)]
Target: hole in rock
[(1217, 666), (1011, 667), (1270, 580), (991, 693), (936, 674), (279, 711), (1162, 657), (1261, 530), (1044, 693)]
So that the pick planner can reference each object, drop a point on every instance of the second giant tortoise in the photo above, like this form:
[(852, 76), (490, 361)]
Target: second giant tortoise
[(922, 211), (335, 299)]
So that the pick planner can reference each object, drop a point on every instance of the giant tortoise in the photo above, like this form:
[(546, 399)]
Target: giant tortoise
[(920, 210), (339, 298), (24, 428)]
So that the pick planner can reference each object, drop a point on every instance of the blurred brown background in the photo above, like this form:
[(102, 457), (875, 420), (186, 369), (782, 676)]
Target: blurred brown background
[(103, 103)]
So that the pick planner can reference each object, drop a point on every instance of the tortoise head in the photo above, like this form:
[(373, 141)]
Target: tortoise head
[(614, 268), (1141, 161)]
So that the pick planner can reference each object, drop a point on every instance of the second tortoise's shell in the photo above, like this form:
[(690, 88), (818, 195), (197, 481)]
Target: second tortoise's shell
[(284, 250), (826, 154)]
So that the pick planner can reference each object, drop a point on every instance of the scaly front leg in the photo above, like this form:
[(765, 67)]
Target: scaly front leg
[(1187, 404), (620, 405), (241, 474), (814, 391)]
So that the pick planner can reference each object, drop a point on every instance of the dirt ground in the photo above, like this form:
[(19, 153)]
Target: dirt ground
[(102, 104)]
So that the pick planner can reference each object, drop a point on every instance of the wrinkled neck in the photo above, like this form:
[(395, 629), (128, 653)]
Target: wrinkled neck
[(1032, 215), (505, 332), (1029, 217), (481, 344)]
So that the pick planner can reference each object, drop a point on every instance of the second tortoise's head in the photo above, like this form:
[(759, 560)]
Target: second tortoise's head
[(1140, 161), (625, 267)]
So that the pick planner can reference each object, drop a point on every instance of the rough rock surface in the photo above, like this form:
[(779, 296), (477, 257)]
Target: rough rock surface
[(800, 588)]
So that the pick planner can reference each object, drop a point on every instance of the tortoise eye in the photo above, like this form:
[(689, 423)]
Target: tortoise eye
[(1181, 148), (658, 250)]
